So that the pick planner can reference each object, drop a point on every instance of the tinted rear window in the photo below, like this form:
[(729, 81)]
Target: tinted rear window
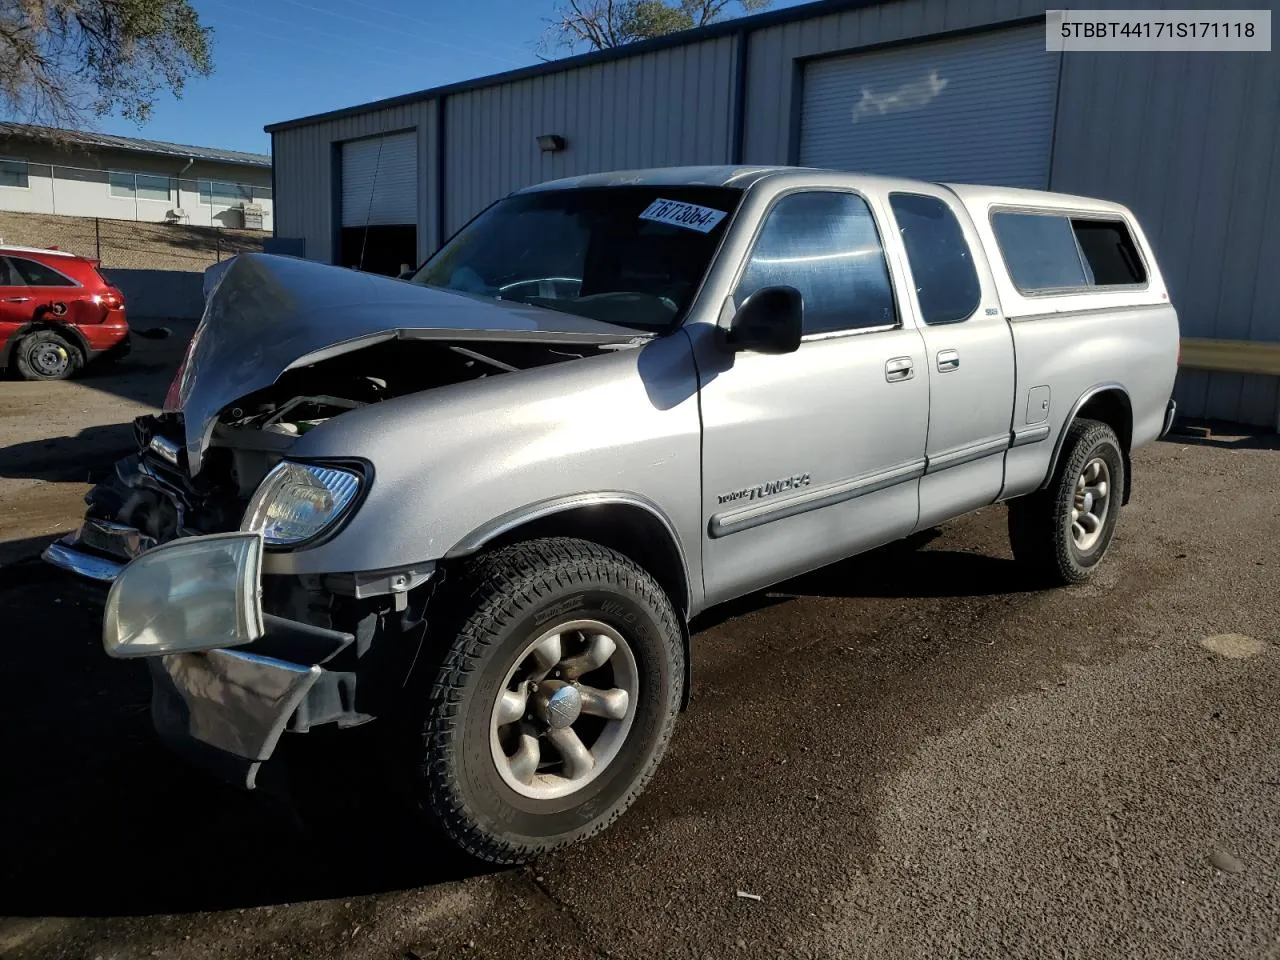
[(35, 274), (941, 262), (1054, 252)]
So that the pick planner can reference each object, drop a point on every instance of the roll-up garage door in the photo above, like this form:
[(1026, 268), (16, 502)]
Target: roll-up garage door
[(976, 109), (380, 181)]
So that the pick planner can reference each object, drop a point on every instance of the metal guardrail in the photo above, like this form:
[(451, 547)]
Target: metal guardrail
[(1231, 356)]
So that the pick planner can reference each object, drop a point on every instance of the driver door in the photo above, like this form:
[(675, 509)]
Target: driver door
[(815, 455)]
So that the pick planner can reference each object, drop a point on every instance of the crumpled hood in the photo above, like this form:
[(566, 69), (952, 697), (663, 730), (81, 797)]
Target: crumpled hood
[(270, 313)]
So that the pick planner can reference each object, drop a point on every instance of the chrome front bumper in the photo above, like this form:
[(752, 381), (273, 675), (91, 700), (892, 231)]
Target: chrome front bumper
[(99, 550), (64, 555)]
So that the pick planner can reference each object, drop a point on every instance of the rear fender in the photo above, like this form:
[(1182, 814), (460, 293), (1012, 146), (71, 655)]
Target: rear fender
[(1108, 403), (62, 329)]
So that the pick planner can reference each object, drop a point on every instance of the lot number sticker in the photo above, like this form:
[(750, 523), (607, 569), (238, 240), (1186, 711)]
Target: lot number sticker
[(688, 215)]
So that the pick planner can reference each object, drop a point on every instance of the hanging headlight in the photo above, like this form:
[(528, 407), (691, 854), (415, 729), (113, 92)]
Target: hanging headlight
[(299, 501)]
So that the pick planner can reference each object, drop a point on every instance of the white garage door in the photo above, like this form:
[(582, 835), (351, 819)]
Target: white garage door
[(977, 109), (380, 181)]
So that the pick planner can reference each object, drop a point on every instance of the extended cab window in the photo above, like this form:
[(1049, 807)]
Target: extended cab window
[(827, 247), (38, 275), (1053, 251), (941, 262)]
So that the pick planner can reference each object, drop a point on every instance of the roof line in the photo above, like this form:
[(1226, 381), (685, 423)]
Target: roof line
[(63, 138), (712, 31)]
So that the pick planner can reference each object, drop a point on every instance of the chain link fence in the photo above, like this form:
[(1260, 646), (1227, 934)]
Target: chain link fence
[(129, 244)]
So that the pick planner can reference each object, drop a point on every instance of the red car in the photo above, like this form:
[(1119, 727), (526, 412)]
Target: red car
[(57, 314)]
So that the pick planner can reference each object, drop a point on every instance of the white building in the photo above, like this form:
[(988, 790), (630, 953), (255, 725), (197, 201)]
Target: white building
[(122, 178)]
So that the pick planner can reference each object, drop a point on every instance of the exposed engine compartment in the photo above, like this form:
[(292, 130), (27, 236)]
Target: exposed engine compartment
[(303, 398), (154, 493)]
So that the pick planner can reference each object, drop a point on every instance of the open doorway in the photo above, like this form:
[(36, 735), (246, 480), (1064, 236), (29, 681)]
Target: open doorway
[(385, 248)]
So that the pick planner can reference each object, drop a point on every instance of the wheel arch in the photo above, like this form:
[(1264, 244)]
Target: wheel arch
[(629, 523), (64, 330), (1107, 403)]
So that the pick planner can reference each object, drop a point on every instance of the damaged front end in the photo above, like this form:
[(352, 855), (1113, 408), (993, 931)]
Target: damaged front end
[(304, 651), (185, 528), (148, 498)]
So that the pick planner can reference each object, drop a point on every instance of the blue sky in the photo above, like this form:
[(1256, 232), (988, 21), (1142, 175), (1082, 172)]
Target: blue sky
[(279, 59)]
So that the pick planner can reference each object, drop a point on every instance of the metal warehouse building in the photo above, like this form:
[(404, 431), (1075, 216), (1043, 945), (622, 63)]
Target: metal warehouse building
[(960, 90)]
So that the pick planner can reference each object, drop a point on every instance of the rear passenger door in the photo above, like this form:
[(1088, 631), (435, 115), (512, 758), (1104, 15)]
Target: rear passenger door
[(969, 354), (51, 293)]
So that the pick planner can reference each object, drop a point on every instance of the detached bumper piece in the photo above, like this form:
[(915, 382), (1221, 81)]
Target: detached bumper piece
[(227, 679), (1170, 413)]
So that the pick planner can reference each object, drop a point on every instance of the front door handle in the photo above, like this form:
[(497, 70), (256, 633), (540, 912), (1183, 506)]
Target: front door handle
[(16, 299), (899, 368), (948, 360)]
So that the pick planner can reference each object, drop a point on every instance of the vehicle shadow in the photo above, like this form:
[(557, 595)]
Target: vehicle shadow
[(83, 457), (1225, 436), (901, 570), (100, 820)]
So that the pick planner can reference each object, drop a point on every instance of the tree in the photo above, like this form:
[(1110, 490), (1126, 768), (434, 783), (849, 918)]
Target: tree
[(600, 24), (62, 60)]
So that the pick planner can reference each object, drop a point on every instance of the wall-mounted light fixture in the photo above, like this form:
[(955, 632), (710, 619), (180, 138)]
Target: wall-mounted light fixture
[(551, 142)]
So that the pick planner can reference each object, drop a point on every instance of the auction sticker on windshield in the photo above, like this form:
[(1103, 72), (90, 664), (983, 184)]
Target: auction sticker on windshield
[(690, 215)]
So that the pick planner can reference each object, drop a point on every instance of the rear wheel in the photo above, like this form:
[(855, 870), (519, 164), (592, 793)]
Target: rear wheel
[(47, 355), (554, 702), (1063, 532)]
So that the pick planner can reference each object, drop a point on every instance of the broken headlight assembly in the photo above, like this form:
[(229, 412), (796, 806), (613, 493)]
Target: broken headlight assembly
[(195, 593), (299, 502)]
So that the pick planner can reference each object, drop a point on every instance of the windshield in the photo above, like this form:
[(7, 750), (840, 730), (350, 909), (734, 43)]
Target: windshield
[(633, 256)]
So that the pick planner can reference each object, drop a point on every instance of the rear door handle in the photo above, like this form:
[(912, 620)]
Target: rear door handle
[(899, 368), (16, 299), (948, 360)]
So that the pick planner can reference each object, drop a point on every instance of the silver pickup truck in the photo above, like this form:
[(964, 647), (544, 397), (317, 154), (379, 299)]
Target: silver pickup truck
[(480, 506)]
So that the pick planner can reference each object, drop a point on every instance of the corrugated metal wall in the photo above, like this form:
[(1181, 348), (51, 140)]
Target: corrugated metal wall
[(773, 82), (669, 107), (305, 188), (976, 108), (1191, 142)]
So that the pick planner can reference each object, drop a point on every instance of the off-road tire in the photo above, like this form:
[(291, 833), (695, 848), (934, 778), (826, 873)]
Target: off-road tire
[(1040, 523), (486, 611), (24, 353)]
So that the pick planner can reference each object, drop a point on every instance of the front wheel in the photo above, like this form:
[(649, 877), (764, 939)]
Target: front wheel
[(554, 702), (1063, 532)]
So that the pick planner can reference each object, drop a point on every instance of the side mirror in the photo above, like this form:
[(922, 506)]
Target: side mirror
[(769, 321)]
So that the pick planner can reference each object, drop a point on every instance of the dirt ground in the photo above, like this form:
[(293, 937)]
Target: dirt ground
[(911, 754), (129, 243)]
